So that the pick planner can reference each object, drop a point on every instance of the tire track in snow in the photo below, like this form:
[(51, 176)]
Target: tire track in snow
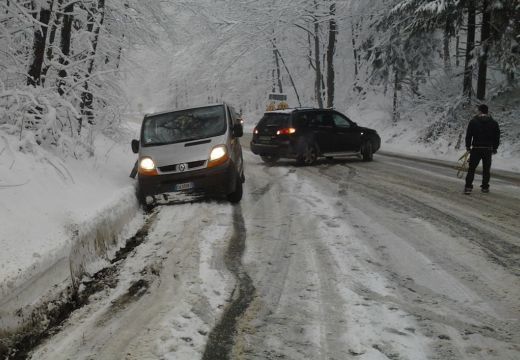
[(221, 339)]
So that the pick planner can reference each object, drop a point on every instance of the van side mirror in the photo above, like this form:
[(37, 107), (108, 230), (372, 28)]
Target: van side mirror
[(238, 130), (135, 146)]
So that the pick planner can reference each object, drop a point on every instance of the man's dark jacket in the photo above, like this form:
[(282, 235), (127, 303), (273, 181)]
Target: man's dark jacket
[(483, 132)]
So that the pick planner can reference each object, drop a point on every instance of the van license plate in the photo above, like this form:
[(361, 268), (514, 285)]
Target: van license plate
[(184, 186)]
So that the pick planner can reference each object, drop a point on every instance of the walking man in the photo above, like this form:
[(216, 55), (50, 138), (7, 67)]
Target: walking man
[(482, 140)]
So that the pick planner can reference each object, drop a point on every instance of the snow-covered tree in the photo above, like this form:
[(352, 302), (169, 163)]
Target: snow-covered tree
[(60, 64)]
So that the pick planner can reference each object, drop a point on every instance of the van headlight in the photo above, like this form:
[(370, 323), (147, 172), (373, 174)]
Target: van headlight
[(218, 152), (218, 156), (147, 167), (147, 164)]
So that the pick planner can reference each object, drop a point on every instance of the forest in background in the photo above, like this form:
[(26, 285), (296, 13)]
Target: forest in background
[(60, 61), (65, 65)]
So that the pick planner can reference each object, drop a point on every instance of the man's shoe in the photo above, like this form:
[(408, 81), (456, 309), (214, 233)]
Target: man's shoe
[(467, 190), (485, 190)]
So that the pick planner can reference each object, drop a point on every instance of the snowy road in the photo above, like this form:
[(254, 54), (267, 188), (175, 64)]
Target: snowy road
[(343, 260)]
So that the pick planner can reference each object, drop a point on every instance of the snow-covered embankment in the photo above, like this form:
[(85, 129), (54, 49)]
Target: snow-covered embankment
[(60, 220)]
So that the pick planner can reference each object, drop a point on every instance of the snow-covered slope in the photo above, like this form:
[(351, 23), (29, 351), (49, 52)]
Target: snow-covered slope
[(49, 202)]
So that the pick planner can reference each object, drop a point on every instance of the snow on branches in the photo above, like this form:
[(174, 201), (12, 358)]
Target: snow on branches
[(60, 64)]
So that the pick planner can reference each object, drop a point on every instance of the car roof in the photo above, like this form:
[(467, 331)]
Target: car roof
[(291, 110)]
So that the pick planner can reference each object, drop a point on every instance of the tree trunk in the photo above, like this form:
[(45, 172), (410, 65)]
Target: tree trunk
[(470, 46), (317, 61), (290, 77), (331, 49), (484, 43), (395, 105), (273, 81), (66, 35), (55, 23), (277, 66), (39, 42), (94, 26), (457, 53), (354, 49), (311, 65), (120, 53), (446, 45)]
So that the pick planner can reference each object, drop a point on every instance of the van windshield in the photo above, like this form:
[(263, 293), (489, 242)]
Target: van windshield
[(184, 125)]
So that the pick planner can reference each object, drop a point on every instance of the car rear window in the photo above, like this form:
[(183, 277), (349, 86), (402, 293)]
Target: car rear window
[(185, 125), (275, 120)]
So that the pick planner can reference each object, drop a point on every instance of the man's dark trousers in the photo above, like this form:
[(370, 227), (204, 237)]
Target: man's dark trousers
[(476, 155)]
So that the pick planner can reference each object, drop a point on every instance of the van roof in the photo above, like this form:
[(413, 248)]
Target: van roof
[(187, 108)]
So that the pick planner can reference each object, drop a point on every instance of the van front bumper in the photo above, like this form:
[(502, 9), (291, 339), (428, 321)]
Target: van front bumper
[(220, 180)]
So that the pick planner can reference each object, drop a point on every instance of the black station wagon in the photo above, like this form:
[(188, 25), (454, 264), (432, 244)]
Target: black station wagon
[(307, 134)]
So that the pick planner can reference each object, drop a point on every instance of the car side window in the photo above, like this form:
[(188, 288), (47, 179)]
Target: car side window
[(303, 120), (341, 121), (324, 119)]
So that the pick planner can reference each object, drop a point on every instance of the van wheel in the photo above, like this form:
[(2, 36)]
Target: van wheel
[(236, 195), (142, 201), (366, 151), (270, 159), (140, 197), (309, 155)]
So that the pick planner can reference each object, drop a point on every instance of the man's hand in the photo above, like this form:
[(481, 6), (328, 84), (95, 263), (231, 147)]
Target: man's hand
[(468, 149), (494, 151)]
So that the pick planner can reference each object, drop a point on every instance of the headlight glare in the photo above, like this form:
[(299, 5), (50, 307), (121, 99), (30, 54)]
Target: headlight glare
[(147, 164), (218, 152)]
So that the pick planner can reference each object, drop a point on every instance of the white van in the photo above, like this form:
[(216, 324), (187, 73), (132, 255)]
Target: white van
[(194, 151)]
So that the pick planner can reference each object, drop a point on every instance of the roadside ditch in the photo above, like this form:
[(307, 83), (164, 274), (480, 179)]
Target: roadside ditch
[(35, 310)]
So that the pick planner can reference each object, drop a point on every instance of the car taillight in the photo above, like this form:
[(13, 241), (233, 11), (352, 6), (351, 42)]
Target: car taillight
[(287, 131), (255, 131)]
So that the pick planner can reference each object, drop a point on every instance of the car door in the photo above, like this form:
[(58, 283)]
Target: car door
[(348, 134), (322, 126)]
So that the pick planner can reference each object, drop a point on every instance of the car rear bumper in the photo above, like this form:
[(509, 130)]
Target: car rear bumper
[(284, 149), (220, 180)]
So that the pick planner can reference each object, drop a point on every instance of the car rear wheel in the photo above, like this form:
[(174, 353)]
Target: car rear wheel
[(366, 151), (309, 155), (236, 195), (270, 159)]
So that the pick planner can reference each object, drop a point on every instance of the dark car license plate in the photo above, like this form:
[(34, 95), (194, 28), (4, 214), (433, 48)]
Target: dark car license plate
[(264, 138), (184, 186)]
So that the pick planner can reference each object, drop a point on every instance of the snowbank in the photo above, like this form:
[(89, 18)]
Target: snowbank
[(409, 136), (59, 217)]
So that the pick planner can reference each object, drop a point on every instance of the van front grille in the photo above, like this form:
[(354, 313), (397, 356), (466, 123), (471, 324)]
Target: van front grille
[(196, 164), (191, 165)]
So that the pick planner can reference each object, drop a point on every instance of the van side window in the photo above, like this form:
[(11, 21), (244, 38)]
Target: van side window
[(229, 117)]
